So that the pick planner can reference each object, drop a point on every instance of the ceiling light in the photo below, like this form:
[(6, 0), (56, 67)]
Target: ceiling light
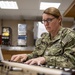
[(44, 5), (8, 5)]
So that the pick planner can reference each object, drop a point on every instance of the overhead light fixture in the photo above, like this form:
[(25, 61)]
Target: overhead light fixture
[(44, 5), (8, 5)]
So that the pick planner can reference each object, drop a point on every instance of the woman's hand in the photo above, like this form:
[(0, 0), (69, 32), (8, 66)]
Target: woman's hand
[(19, 57), (37, 61)]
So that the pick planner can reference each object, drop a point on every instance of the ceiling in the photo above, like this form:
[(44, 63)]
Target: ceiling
[(29, 9)]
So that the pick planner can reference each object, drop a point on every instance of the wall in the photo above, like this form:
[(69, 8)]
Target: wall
[(67, 24), (0, 27), (30, 34), (13, 24)]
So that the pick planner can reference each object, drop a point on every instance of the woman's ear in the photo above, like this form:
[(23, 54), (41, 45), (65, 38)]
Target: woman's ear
[(60, 19)]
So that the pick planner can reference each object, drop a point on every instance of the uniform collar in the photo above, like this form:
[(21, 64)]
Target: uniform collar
[(58, 36)]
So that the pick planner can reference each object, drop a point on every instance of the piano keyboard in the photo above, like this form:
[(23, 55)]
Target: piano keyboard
[(41, 68)]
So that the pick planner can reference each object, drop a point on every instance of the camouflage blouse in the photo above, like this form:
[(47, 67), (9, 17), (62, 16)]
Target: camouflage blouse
[(58, 51)]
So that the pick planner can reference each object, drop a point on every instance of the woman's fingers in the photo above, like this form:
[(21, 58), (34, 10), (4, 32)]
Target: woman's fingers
[(23, 59), (28, 62), (19, 57), (14, 57)]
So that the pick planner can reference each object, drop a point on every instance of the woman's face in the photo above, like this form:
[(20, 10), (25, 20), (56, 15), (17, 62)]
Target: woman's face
[(51, 23)]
